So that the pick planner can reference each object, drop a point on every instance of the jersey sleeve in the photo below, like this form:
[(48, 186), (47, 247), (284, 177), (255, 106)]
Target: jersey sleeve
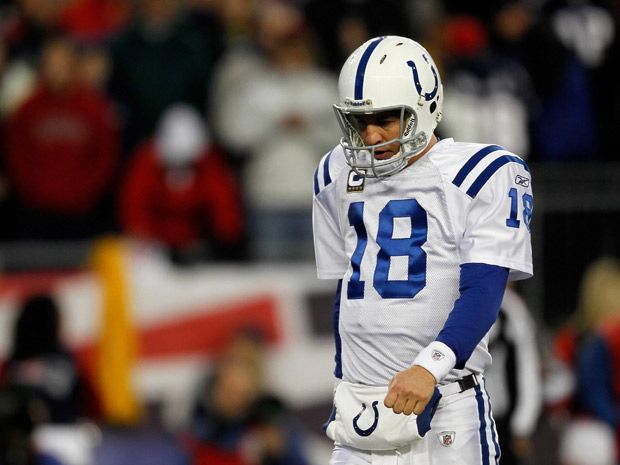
[(331, 261), (497, 223)]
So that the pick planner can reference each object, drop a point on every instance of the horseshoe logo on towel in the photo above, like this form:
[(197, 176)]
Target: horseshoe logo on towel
[(368, 431)]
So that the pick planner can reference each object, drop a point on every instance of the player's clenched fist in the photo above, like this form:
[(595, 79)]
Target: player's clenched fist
[(410, 390)]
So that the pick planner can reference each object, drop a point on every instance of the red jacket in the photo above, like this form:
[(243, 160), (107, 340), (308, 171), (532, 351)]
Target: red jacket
[(62, 150), (180, 213), (94, 19)]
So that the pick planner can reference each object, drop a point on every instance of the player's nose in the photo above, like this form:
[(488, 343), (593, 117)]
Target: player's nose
[(373, 134)]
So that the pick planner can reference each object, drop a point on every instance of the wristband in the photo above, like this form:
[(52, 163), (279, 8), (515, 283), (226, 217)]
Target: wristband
[(437, 358)]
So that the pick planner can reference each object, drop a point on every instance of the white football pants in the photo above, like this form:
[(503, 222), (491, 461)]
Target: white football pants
[(462, 433)]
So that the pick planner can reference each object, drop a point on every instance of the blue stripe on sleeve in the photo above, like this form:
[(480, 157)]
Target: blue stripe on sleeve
[(361, 68), (316, 181), (482, 289), (473, 162), (326, 177), (490, 171)]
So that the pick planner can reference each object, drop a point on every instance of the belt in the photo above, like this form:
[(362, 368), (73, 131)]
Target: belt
[(458, 386)]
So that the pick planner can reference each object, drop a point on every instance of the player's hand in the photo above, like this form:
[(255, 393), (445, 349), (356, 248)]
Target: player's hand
[(410, 390)]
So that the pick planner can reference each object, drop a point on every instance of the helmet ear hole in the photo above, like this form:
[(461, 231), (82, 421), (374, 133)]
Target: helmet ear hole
[(433, 107)]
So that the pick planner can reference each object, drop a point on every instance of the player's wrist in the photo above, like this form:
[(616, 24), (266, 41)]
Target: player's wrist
[(437, 358)]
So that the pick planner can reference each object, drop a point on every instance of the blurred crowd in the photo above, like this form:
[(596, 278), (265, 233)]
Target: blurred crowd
[(196, 124), (50, 408)]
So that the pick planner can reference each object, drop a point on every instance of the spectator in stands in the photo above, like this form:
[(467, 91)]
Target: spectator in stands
[(41, 364), (31, 25), (240, 57), (564, 127), (597, 363), (236, 422), (26, 28), (488, 96), (161, 59), (514, 380), (180, 193), (279, 116), (598, 303), (583, 381), (589, 30), (45, 398), (62, 149)]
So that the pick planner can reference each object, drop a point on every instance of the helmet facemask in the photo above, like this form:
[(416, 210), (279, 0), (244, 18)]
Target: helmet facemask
[(361, 157)]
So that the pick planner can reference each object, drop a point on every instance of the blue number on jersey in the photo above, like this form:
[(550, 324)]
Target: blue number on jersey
[(355, 288), (528, 206), (410, 247), (513, 222)]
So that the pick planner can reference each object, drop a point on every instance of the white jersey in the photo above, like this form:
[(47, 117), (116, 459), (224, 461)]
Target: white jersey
[(397, 245)]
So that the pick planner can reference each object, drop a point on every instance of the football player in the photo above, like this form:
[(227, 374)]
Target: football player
[(423, 235)]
